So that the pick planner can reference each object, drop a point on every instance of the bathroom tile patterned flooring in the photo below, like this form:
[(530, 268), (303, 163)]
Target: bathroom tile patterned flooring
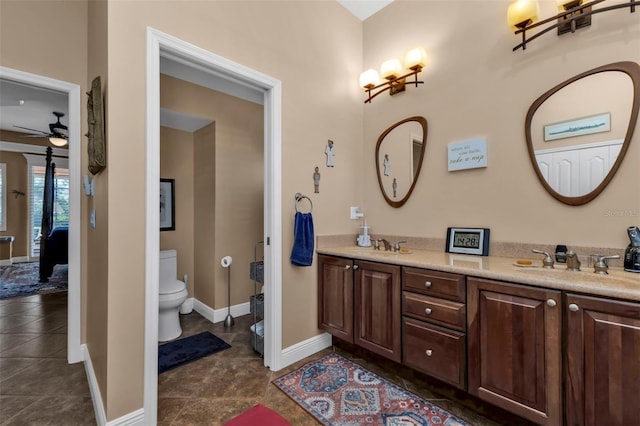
[(39, 387)]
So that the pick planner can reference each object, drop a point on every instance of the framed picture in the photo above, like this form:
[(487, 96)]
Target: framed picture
[(578, 127), (167, 205)]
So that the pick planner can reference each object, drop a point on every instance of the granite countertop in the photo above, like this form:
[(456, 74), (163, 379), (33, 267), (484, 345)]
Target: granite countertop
[(618, 284)]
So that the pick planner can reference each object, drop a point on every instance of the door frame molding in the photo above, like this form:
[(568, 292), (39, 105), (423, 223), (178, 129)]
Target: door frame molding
[(159, 43), (74, 350)]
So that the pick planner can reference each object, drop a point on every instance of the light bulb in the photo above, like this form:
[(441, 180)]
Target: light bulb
[(521, 12), (390, 69), (369, 79), (415, 58)]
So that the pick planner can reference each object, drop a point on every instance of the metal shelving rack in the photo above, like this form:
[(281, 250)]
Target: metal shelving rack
[(256, 301)]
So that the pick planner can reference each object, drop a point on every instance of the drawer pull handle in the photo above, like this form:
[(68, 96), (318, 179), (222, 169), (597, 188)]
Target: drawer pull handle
[(427, 311), (573, 307), (427, 284), (428, 352), (551, 303), (347, 266), (355, 267)]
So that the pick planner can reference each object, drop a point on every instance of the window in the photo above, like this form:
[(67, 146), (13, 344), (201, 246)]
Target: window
[(3, 197), (36, 167)]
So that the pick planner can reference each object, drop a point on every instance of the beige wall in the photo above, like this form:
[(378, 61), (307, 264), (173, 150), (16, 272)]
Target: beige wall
[(176, 162), (229, 165), (476, 86), (17, 206)]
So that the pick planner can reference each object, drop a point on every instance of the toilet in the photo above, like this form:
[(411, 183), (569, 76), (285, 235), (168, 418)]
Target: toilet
[(173, 293)]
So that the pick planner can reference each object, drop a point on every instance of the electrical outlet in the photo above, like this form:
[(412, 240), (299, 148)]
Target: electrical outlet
[(355, 213)]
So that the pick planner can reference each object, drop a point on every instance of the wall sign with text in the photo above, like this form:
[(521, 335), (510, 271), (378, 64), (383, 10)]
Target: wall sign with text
[(469, 154)]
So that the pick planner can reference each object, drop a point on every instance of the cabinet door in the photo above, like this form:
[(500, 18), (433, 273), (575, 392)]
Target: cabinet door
[(335, 296), (603, 361), (514, 348), (377, 306)]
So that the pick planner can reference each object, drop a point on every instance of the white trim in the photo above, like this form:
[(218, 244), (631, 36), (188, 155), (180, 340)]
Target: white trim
[(20, 259), (32, 149), (218, 315), (94, 389), (306, 348), (135, 418), (197, 57), (74, 351), (613, 142), (6, 262)]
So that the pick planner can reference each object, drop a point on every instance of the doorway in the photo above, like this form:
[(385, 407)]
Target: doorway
[(161, 45), (74, 349)]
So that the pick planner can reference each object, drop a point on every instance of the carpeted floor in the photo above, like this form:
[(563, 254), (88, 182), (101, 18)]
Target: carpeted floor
[(21, 279)]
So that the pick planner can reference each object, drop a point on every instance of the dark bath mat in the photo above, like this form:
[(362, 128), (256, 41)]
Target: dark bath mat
[(185, 350)]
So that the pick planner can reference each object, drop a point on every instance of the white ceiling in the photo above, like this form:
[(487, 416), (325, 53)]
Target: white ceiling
[(362, 9)]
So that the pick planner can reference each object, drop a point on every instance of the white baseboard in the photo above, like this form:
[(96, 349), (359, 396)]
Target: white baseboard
[(135, 418), (218, 315), (96, 397), (20, 259), (5, 262), (306, 348)]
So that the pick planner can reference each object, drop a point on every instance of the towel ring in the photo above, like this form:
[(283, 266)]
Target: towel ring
[(299, 197)]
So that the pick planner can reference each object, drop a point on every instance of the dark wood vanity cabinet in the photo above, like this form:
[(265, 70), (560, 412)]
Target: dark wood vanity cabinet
[(359, 302), (335, 296), (434, 324), (514, 348), (602, 361)]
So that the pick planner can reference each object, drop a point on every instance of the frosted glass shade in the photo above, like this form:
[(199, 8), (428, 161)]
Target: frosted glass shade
[(58, 141), (369, 78), (390, 69), (521, 11), (415, 58)]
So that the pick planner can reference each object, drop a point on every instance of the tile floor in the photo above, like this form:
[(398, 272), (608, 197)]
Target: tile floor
[(38, 387)]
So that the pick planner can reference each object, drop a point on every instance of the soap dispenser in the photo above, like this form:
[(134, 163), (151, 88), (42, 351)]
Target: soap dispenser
[(364, 240)]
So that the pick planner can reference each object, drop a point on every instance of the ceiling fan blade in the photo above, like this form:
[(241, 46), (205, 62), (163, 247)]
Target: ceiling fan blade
[(33, 130)]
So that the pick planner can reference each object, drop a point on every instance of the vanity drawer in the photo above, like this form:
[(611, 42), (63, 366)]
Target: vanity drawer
[(435, 351), (434, 283), (439, 311)]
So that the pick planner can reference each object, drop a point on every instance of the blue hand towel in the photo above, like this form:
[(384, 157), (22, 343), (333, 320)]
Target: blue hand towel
[(302, 251)]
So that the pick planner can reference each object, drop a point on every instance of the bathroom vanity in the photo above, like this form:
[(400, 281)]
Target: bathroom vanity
[(550, 345)]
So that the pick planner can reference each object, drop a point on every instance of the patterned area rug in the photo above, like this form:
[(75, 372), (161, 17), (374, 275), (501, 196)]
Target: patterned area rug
[(21, 279), (338, 392)]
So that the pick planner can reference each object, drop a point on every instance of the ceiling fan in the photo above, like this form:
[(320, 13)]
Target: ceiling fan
[(58, 133)]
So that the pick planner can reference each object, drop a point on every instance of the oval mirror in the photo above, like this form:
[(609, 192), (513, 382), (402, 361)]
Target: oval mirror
[(578, 132), (399, 153)]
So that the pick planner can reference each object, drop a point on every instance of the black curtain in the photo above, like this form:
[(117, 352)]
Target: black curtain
[(47, 217)]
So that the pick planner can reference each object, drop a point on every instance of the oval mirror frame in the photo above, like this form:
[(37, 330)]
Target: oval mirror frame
[(632, 69), (423, 123)]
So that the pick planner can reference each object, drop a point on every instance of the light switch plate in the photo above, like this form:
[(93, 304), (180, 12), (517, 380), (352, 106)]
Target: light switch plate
[(355, 213)]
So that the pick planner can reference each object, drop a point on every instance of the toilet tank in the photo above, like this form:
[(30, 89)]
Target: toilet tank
[(168, 265)]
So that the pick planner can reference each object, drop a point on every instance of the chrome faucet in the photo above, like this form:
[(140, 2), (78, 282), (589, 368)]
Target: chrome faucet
[(376, 244), (387, 244), (547, 262), (600, 265), (573, 263), (396, 247)]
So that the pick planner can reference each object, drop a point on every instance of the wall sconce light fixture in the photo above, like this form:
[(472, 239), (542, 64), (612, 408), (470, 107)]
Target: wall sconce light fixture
[(573, 15), (393, 73)]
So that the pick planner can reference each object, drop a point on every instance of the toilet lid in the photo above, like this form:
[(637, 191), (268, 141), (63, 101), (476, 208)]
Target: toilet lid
[(171, 286)]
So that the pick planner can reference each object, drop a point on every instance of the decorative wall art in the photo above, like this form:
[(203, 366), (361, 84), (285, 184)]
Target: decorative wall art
[(167, 205), (316, 180), (469, 154), (95, 120), (581, 126), (330, 152)]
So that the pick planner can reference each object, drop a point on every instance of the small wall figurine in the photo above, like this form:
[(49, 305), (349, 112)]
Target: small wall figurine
[(387, 166), (395, 187), (316, 181), (329, 151)]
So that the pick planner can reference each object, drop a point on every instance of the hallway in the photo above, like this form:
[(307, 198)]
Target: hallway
[(37, 385)]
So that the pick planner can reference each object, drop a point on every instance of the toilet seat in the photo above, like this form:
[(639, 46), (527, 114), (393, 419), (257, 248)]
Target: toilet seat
[(171, 286)]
